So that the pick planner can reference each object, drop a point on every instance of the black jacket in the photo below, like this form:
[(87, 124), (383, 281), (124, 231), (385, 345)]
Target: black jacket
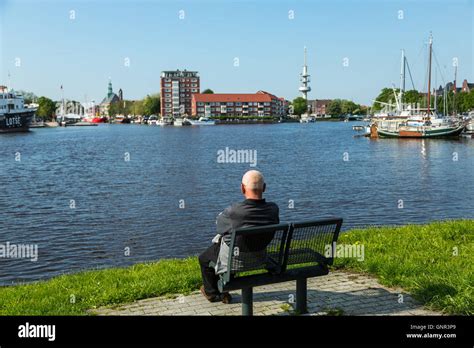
[(249, 213)]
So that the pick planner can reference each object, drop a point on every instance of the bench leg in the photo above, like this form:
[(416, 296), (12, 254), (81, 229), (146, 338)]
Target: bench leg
[(301, 296), (247, 301)]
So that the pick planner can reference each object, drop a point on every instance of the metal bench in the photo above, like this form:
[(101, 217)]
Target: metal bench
[(279, 253)]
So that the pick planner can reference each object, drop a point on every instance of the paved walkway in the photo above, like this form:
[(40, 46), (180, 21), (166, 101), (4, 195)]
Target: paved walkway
[(338, 293)]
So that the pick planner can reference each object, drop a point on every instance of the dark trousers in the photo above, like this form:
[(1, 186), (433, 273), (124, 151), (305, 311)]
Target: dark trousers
[(209, 277)]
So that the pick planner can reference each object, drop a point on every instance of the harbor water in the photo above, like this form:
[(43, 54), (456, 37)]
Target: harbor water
[(114, 195)]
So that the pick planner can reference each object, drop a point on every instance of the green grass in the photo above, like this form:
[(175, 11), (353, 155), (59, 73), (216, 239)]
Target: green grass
[(418, 258), (92, 289), (421, 259)]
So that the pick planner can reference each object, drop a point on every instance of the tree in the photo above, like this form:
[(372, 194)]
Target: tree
[(386, 96), (299, 105), (46, 108), (348, 106), (151, 104), (334, 107), (123, 107), (412, 97), (29, 97), (137, 107), (208, 91)]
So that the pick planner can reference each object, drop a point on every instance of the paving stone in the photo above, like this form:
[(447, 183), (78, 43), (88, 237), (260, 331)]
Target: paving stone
[(354, 294)]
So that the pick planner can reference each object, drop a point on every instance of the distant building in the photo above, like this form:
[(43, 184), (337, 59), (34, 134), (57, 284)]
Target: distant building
[(109, 99), (451, 86), (243, 104), (319, 106), (176, 90), (466, 86)]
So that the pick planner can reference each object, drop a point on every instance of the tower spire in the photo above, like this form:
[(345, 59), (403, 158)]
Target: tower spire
[(110, 90), (304, 89)]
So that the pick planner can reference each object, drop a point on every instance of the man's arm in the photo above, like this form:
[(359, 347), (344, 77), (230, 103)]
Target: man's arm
[(224, 223)]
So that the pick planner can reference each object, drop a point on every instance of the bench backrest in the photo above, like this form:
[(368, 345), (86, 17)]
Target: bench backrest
[(274, 247), (257, 248), (312, 242)]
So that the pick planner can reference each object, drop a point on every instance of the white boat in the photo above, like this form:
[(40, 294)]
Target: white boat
[(470, 123), (417, 123), (202, 121), (305, 118), (164, 121), (178, 122), (152, 120), (15, 116)]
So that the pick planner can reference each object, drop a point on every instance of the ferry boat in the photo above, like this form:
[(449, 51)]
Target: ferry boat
[(14, 115)]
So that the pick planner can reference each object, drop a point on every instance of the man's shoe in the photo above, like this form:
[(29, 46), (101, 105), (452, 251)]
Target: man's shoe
[(210, 298), (226, 298)]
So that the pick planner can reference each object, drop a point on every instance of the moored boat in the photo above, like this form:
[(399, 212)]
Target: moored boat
[(164, 121), (14, 115), (99, 120), (202, 121), (470, 122), (424, 124)]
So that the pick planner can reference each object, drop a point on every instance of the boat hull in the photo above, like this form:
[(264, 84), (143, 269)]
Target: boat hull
[(202, 123), (16, 121), (432, 133)]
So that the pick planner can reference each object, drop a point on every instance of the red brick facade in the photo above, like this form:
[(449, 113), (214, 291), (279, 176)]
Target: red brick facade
[(244, 104), (176, 90)]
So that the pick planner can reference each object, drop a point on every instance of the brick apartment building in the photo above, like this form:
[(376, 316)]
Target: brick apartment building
[(176, 90), (243, 104), (319, 106)]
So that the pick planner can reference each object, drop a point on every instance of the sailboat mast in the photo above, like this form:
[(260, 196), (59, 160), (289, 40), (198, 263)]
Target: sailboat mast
[(454, 89), (402, 79), (429, 77)]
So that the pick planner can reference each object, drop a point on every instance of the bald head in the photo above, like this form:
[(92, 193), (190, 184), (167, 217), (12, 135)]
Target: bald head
[(253, 184)]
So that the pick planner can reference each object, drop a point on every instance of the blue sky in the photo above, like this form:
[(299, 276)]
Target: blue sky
[(82, 53)]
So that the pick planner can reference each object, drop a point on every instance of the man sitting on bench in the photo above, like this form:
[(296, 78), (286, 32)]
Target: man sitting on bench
[(252, 212)]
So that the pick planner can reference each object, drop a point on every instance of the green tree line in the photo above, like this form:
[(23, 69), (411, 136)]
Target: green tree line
[(147, 106), (459, 102), (335, 108)]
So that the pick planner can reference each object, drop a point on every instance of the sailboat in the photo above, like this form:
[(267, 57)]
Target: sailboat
[(423, 125)]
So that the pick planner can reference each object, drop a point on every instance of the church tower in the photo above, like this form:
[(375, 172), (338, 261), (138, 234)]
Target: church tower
[(110, 93)]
